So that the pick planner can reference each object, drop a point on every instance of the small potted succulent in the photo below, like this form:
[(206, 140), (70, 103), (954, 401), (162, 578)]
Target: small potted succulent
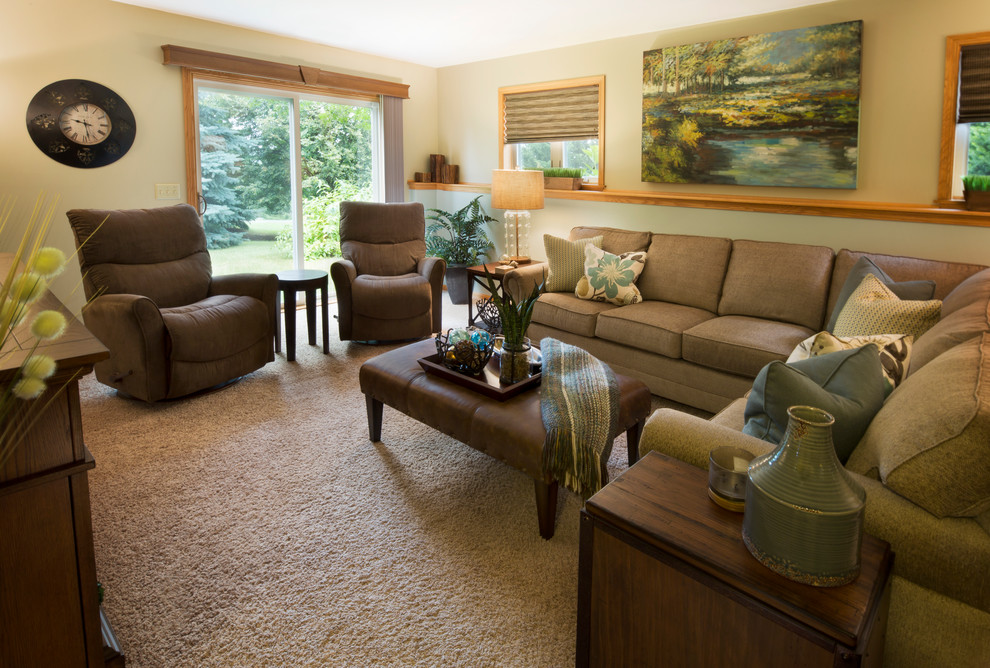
[(976, 191), (461, 240), (515, 316)]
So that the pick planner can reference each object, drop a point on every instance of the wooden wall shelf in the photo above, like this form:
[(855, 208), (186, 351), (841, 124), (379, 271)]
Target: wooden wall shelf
[(916, 213)]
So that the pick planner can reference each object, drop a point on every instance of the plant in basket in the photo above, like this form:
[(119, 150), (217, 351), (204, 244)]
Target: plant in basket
[(465, 350)]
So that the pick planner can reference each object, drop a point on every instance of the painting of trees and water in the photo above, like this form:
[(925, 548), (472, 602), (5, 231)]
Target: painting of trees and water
[(777, 109)]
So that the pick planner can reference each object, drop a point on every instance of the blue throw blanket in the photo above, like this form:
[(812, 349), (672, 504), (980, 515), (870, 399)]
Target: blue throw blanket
[(579, 402)]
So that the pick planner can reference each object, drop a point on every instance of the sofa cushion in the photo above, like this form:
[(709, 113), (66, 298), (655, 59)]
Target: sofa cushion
[(656, 327), (895, 352), (565, 311), (685, 269), (873, 308), (215, 328), (965, 314), (864, 265), (846, 384), (740, 344), (385, 259), (929, 443), (565, 261), (777, 281), (609, 277), (614, 240)]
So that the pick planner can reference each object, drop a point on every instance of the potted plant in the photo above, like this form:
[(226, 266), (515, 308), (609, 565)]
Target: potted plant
[(515, 316), (461, 240), (976, 190), (562, 178)]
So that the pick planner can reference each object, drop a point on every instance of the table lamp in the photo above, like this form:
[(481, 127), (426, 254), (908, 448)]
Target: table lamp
[(518, 191)]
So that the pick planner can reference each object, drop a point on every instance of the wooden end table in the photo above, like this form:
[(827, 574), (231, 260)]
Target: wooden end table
[(665, 579), (289, 283), (476, 276)]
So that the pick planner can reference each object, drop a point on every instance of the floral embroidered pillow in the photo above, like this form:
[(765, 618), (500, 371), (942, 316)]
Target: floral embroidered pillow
[(611, 278)]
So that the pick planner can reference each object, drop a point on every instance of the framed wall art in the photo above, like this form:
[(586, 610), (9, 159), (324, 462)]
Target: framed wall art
[(775, 109)]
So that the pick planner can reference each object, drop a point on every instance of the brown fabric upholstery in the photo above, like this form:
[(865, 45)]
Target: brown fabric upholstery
[(778, 281), (171, 327), (741, 344), (685, 270), (653, 326), (614, 240), (564, 311), (387, 289)]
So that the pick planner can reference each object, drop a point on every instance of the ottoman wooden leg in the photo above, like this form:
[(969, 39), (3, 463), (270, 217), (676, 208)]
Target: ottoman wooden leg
[(374, 418), (546, 506), (632, 441)]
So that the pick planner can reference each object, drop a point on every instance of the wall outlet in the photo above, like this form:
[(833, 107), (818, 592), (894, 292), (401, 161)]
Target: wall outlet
[(166, 191)]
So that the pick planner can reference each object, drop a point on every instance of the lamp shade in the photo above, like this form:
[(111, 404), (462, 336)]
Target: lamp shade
[(517, 189)]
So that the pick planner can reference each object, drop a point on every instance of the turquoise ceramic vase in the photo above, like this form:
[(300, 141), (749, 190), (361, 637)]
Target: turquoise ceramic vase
[(804, 512)]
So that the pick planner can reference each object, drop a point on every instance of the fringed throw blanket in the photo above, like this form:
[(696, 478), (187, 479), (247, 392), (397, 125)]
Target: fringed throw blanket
[(579, 401)]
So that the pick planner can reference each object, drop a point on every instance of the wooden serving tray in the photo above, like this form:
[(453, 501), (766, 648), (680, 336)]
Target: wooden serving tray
[(485, 383)]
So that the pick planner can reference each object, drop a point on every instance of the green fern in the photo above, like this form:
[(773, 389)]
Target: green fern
[(459, 237)]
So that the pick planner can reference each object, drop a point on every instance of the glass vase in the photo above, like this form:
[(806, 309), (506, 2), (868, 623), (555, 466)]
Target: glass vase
[(804, 512), (514, 362)]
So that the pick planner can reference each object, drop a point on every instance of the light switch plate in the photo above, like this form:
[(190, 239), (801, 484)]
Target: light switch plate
[(166, 191)]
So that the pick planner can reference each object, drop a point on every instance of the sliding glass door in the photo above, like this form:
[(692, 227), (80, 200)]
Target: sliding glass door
[(273, 167)]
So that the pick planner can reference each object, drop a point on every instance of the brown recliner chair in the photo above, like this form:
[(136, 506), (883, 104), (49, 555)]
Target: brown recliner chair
[(171, 326), (387, 289)]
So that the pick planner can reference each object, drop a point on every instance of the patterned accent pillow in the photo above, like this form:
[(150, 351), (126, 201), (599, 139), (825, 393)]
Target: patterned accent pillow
[(566, 261), (611, 278), (873, 309), (895, 352)]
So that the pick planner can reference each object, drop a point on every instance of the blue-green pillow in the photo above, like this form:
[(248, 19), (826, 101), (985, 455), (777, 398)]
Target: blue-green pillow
[(848, 384), (912, 290)]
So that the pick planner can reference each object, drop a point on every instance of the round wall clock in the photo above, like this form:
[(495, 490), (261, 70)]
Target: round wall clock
[(80, 123)]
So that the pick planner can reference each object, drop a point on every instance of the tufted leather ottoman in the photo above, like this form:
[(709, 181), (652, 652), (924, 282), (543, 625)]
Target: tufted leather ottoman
[(511, 431)]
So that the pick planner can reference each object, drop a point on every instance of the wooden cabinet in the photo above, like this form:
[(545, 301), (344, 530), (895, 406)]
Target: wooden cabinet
[(665, 580), (49, 610)]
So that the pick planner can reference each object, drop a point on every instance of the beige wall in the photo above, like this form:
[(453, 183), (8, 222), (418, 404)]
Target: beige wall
[(903, 62), (119, 46)]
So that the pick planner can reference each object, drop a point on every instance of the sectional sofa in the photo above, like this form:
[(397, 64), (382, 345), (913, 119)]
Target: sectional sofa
[(717, 310)]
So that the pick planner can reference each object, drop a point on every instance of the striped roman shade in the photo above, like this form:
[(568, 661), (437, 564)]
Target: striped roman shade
[(560, 114), (974, 84)]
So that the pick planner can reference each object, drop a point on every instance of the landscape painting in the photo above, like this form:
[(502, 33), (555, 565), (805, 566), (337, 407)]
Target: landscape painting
[(777, 109)]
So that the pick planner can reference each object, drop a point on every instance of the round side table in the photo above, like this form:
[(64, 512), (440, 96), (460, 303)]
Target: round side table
[(290, 282)]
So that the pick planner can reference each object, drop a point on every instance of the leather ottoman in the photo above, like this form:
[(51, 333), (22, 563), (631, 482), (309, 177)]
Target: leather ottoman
[(510, 431)]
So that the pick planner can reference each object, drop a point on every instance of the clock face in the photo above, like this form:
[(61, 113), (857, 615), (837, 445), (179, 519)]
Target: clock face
[(80, 123), (85, 123)]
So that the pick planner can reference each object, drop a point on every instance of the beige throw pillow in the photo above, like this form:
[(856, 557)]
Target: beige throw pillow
[(611, 278), (895, 352), (873, 309), (566, 261)]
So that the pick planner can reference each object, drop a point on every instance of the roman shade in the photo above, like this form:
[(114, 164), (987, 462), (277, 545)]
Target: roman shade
[(558, 114), (974, 84)]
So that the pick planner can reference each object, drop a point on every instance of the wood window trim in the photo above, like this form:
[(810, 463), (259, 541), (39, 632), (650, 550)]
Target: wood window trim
[(950, 93), (189, 78), (312, 78), (598, 80)]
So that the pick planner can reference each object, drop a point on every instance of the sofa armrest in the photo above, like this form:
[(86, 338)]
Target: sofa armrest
[(344, 273), (433, 269), (132, 329), (691, 438), (520, 282), (950, 555)]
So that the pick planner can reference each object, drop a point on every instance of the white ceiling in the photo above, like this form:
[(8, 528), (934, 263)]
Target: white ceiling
[(439, 33)]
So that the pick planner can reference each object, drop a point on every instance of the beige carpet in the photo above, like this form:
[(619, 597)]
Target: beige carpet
[(258, 526)]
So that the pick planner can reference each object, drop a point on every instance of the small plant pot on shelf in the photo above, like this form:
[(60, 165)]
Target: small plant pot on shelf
[(977, 200), (561, 183)]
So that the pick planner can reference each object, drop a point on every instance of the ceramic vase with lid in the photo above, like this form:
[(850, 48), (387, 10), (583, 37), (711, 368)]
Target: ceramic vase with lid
[(804, 512)]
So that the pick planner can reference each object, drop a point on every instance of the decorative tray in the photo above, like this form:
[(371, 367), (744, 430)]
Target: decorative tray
[(485, 383)]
